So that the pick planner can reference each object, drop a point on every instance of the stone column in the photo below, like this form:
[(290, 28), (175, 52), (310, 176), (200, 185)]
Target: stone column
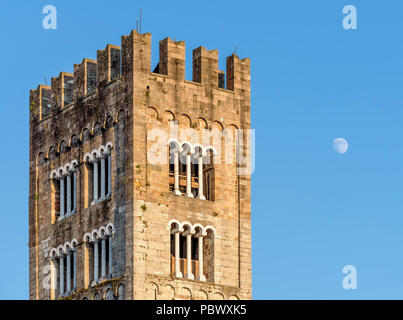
[(189, 274), (103, 194), (188, 176), (201, 195), (110, 255), (103, 255), (61, 275), (68, 195), (68, 276), (201, 276), (176, 173), (95, 181), (74, 269), (61, 212), (178, 273), (74, 191), (53, 274), (109, 175), (96, 265)]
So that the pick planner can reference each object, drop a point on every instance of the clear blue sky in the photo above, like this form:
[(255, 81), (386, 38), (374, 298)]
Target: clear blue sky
[(314, 210)]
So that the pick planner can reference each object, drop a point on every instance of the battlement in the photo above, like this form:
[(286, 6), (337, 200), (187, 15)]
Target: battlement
[(108, 66), (133, 60), (172, 59), (40, 102), (85, 77)]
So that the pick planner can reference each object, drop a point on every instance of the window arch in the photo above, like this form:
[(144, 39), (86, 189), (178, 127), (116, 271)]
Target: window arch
[(51, 153), (74, 142), (97, 296), (63, 147), (121, 292), (108, 123), (174, 178), (85, 135), (109, 294), (97, 128), (209, 174)]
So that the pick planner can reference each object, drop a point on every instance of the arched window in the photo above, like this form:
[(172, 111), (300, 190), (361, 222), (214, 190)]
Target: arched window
[(99, 254), (173, 167), (64, 189), (192, 251), (64, 265), (185, 170), (99, 174), (191, 170), (197, 183)]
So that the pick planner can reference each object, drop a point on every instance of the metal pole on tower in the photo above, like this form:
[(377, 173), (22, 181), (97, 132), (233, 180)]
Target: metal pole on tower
[(140, 20)]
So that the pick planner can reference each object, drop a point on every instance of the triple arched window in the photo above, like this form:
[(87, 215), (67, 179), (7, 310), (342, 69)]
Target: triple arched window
[(99, 246), (64, 268), (99, 166), (99, 181), (65, 186)]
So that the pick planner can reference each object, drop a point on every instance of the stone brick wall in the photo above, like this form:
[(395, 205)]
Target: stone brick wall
[(122, 110)]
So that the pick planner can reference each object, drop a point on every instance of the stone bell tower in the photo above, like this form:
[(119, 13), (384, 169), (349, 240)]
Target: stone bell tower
[(136, 190)]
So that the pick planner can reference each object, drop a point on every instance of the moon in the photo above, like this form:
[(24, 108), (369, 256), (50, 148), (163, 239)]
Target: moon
[(340, 145)]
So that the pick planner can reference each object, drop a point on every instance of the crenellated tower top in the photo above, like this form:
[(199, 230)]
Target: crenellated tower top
[(133, 58)]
